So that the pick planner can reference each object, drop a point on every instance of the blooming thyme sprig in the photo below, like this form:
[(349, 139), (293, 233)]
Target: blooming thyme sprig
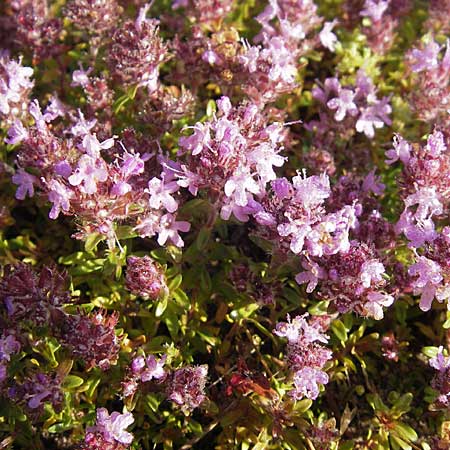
[(385, 16), (79, 180), (424, 183), (306, 357), (293, 216), (33, 28), (142, 370), (346, 109), (15, 88), (136, 51), (186, 387), (231, 157), (430, 98)]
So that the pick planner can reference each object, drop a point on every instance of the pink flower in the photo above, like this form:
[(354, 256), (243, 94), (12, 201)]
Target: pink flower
[(160, 194), (60, 196), (112, 427), (90, 171), (169, 228), (343, 104), (327, 38)]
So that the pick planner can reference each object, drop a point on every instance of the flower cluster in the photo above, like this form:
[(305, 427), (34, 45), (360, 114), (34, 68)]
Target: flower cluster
[(143, 369), (384, 16), (145, 278), (430, 97), (35, 391), (306, 356), (15, 88), (136, 51), (79, 180), (91, 338), (231, 157), (26, 296), (186, 387), (344, 109)]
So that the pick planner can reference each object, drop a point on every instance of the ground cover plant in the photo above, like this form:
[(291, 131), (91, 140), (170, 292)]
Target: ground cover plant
[(224, 224)]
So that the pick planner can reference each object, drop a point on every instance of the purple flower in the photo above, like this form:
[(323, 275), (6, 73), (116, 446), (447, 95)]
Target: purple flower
[(155, 369), (169, 228), (401, 150), (428, 279), (25, 181), (54, 109), (16, 133), (376, 301), (89, 172), (375, 9), (343, 104), (196, 141), (81, 77), (60, 195), (440, 362), (426, 59), (306, 383), (298, 331), (311, 275), (160, 194)]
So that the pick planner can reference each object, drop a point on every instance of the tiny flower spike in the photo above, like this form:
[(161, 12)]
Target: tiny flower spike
[(305, 356), (440, 381), (145, 278), (187, 387), (136, 51), (15, 87)]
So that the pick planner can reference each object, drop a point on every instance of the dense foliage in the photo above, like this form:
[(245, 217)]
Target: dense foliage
[(225, 224)]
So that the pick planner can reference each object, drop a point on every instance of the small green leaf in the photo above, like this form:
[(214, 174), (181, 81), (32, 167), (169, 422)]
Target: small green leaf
[(339, 330), (161, 306), (405, 432), (72, 382)]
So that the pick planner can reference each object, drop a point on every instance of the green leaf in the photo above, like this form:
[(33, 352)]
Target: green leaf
[(405, 432), (402, 405), (339, 330), (203, 238), (72, 382), (175, 282), (92, 241), (161, 306)]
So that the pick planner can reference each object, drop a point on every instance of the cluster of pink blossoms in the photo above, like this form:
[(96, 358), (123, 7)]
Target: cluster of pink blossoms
[(231, 157), (348, 108), (306, 356), (101, 183), (425, 181)]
